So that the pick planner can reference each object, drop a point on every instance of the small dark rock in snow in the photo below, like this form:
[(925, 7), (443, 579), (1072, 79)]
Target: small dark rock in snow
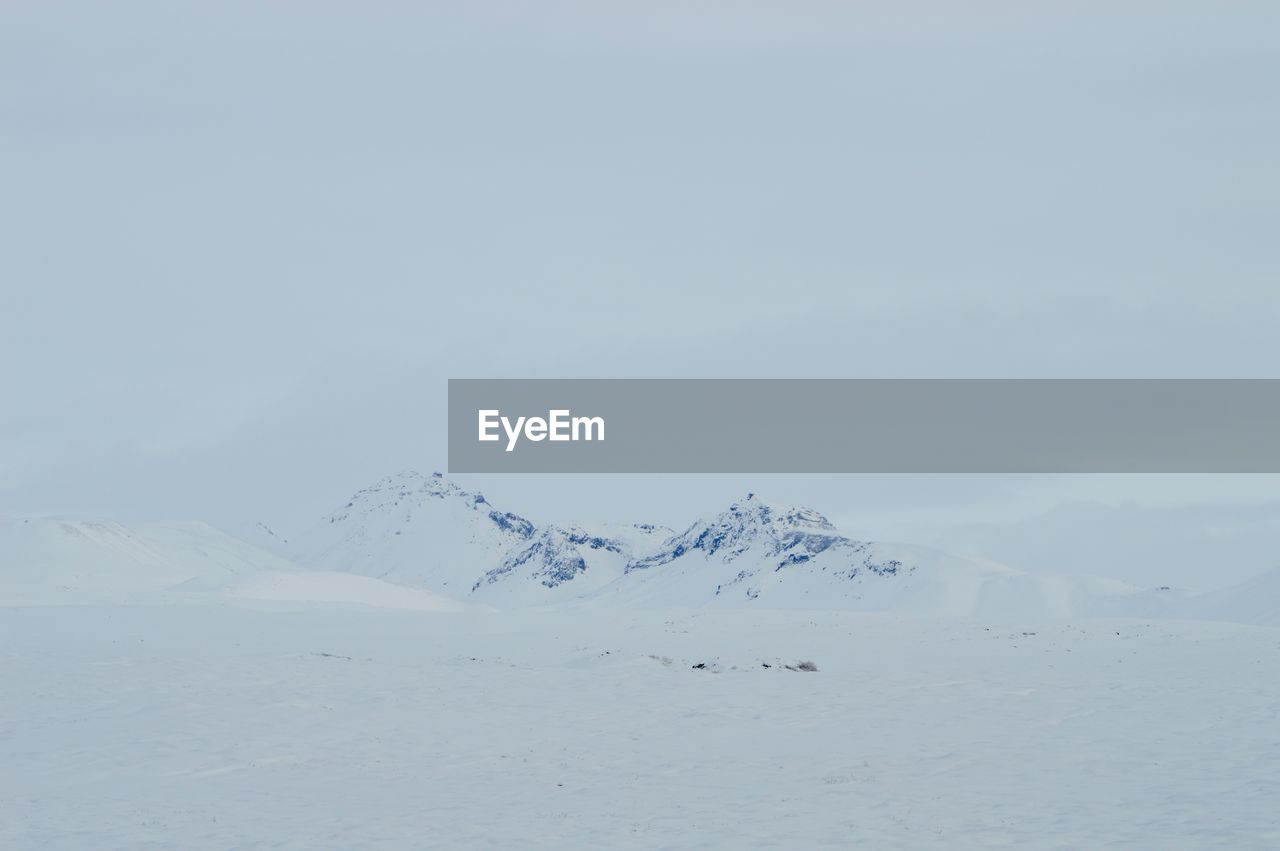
[(802, 666)]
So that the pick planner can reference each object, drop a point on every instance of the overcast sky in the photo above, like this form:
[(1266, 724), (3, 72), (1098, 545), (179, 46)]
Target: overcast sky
[(245, 244)]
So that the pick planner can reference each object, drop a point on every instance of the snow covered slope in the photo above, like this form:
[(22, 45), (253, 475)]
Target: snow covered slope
[(411, 529), (318, 586), (65, 560), (260, 535), (45, 559)]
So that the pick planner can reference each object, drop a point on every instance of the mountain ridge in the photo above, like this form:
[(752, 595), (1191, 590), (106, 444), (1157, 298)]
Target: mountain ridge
[(411, 533), (755, 552)]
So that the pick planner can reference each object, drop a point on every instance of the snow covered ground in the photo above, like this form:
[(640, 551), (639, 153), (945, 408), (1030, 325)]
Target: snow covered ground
[(422, 669), (211, 721)]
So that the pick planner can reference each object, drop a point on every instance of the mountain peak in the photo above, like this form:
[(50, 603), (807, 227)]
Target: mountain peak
[(753, 509), (748, 524), (413, 528), (407, 485)]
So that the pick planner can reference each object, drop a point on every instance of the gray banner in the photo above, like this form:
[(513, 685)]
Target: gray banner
[(864, 426)]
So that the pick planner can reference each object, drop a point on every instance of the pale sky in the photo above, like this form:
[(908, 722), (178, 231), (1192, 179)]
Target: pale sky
[(246, 243)]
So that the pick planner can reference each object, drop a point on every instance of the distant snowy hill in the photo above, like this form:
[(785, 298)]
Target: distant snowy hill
[(422, 531), (1255, 601), (47, 560), (43, 557)]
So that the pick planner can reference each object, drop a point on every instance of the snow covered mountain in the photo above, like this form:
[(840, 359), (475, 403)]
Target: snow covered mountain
[(423, 542), (426, 532), (758, 554), (417, 530)]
